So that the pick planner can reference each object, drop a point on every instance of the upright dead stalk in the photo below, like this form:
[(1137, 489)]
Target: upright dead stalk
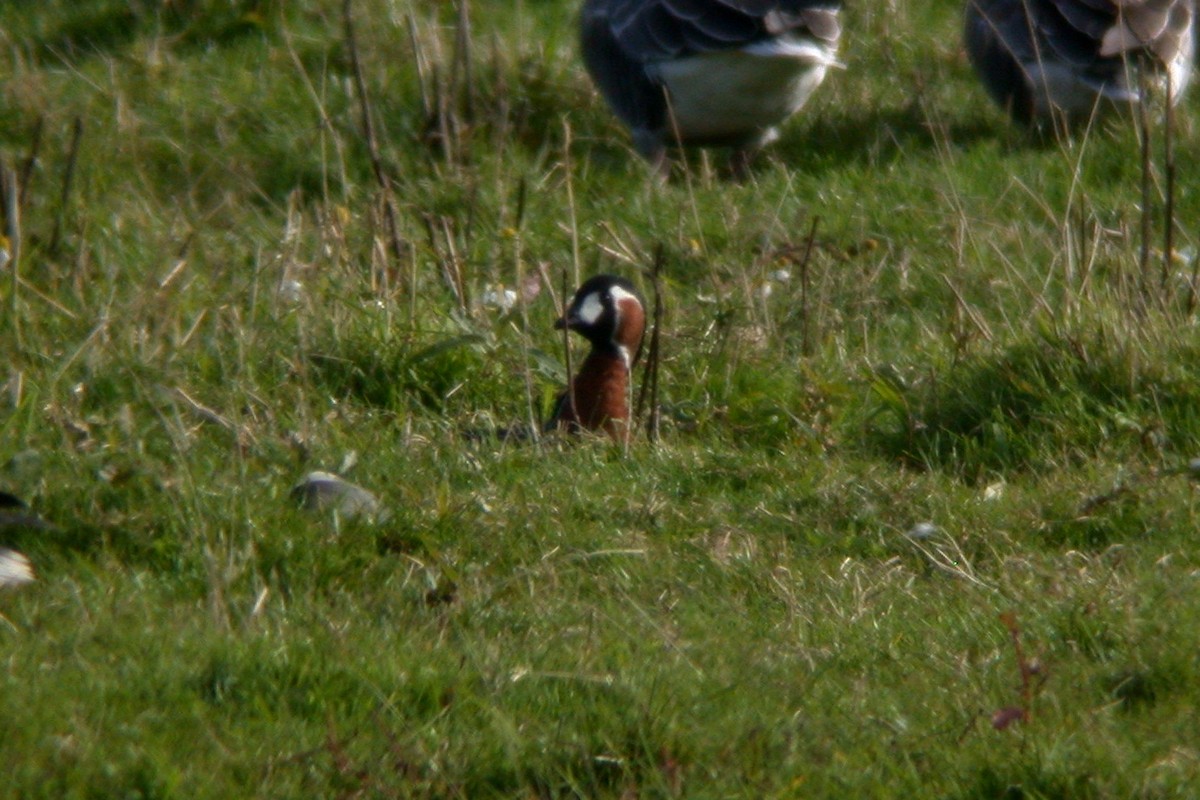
[(650, 382), (10, 201), (1169, 178), (463, 61), (67, 181), (1147, 220), (653, 357), (35, 147), (566, 333), (519, 265), (805, 283), (372, 140)]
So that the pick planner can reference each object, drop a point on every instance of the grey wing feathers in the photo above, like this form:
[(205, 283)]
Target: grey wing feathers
[(665, 29), (1081, 31)]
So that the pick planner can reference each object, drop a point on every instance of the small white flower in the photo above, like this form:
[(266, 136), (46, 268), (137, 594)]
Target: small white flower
[(780, 276), (922, 531), (291, 291), (499, 297)]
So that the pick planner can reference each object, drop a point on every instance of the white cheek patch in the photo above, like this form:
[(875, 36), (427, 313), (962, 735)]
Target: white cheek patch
[(590, 310)]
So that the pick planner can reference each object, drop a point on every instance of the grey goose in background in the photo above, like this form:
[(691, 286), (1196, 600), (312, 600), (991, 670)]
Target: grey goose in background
[(1039, 58), (707, 72)]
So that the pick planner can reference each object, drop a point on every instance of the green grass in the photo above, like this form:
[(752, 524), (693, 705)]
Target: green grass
[(215, 308)]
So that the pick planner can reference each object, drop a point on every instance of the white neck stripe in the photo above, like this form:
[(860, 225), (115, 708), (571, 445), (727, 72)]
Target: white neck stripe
[(618, 294)]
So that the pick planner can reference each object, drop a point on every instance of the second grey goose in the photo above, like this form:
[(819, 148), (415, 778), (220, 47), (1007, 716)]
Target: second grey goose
[(1041, 57), (707, 72)]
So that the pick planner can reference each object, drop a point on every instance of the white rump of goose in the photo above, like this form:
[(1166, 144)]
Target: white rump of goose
[(708, 72)]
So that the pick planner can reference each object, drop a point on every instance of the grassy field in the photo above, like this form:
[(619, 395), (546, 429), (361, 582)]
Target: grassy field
[(920, 523)]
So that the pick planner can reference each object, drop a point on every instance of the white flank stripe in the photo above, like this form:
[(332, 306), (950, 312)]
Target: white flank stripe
[(15, 569)]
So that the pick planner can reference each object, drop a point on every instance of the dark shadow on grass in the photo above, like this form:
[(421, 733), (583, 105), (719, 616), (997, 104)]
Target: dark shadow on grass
[(90, 31), (830, 140), (395, 376), (1140, 688), (1035, 404), (108, 29), (1026, 781), (833, 140)]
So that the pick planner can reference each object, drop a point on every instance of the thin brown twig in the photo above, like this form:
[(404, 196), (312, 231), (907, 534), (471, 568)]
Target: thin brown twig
[(462, 60), (567, 347), (419, 59), (568, 174), (519, 265), (805, 331), (1192, 294), (372, 140), (35, 148), (10, 200), (1143, 119), (68, 180), (1169, 177), (437, 228), (654, 357), (326, 123), (12, 230), (966, 308), (242, 435), (1028, 668), (454, 262), (28, 289), (544, 274), (650, 383)]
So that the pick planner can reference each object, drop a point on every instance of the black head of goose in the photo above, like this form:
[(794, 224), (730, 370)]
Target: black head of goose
[(707, 72), (1038, 58)]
